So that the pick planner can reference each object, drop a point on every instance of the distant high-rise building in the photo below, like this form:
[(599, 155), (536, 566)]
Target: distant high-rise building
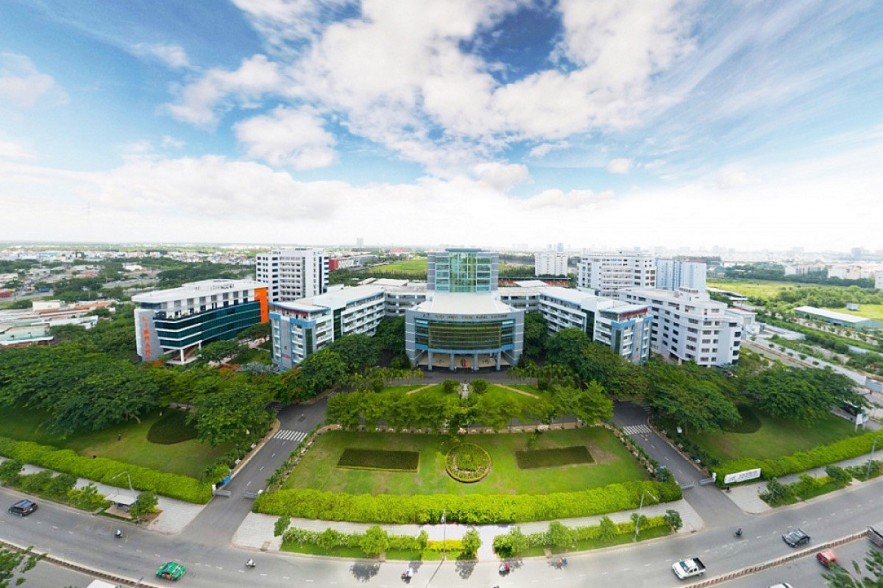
[(360, 243), (672, 274), (608, 273), (462, 270), (550, 263), (291, 274)]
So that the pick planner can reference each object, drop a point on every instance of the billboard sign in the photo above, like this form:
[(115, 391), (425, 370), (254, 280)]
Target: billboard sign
[(742, 476)]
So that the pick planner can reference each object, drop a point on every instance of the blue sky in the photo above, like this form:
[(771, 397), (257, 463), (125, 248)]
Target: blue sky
[(598, 124)]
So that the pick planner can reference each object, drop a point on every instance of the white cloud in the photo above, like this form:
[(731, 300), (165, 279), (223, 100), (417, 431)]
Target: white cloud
[(566, 201), (735, 177), (169, 142), (619, 165), (544, 149), (22, 85), (501, 176), (10, 150), (284, 21), (171, 55), (288, 136), (218, 88)]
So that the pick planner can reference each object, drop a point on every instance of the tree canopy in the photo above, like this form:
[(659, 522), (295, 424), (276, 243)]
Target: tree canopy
[(801, 394)]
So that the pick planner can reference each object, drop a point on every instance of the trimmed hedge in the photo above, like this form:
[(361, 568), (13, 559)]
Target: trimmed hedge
[(467, 509), (331, 538), (802, 460), (102, 469), (379, 459)]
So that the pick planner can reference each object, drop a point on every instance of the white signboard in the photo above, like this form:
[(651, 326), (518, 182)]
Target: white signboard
[(742, 476)]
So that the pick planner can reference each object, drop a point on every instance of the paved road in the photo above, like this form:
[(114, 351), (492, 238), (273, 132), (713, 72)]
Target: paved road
[(713, 507), (80, 537)]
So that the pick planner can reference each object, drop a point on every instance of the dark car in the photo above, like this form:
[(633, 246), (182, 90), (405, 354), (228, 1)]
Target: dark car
[(23, 507), (795, 537)]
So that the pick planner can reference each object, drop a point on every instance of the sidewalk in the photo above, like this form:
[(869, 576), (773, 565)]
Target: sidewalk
[(174, 515), (256, 532)]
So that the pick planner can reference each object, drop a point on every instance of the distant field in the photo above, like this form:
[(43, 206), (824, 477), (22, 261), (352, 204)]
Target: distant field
[(871, 311), (417, 267), (754, 289)]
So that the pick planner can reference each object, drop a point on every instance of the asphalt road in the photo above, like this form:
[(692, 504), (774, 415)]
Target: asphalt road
[(214, 562)]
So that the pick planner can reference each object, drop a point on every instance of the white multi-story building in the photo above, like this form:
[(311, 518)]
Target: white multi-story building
[(304, 326), (608, 273), (177, 322), (689, 326), (291, 274), (878, 280), (672, 274), (550, 263)]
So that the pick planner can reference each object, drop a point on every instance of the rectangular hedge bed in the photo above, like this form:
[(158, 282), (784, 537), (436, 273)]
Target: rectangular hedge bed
[(375, 459), (547, 458)]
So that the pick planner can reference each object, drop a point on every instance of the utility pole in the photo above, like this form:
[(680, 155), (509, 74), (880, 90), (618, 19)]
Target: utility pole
[(444, 536)]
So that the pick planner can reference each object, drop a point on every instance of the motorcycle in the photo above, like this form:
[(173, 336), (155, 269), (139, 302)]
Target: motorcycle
[(738, 533), (250, 564), (407, 575), (505, 568), (118, 534)]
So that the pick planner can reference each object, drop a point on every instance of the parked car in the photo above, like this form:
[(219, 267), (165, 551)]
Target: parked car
[(796, 537), (826, 557), (23, 507)]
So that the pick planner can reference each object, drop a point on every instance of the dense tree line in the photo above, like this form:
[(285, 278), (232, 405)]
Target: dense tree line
[(776, 272)]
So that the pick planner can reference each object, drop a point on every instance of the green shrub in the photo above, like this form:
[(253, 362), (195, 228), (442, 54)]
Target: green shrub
[(35, 483), (466, 509), (106, 470), (10, 472), (802, 460)]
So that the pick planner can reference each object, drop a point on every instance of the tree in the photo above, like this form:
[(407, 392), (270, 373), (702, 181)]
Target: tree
[(358, 352), (218, 351), (236, 410), (588, 404), (839, 577), (14, 564), (801, 394), (471, 543), (146, 503), (536, 330), (566, 348), (559, 535), (87, 498), (375, 541), (607, 529), (673, 519), (689, 398)]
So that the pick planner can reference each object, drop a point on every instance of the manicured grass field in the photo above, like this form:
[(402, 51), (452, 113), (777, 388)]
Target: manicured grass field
[(871, 311), (417, 267), (189, 458), (612, 464), (775, 438), (754, 288)]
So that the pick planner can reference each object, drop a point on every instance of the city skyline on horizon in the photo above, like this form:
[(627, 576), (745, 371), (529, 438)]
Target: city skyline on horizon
[(674, 125)]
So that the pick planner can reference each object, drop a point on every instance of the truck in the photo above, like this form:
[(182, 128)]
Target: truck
[(688, 567)]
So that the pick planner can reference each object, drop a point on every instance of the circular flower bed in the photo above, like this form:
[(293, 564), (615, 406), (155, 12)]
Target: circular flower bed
[(468, 463)]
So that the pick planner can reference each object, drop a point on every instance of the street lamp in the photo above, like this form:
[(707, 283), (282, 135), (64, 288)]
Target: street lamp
[(640, 506), (444, 536), (132, 490), (871, 457)]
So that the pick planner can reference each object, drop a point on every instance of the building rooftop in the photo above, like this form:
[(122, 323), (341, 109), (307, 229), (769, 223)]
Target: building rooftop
[(195, 290), (331, 300), (465, 303), (839, 316)]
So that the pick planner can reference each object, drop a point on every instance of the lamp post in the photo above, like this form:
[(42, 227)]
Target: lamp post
[(444, 536), (132, 490), (871, 457), (640, 506)]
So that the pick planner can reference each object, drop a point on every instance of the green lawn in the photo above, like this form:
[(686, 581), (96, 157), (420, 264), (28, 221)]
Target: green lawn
[(612, 464), (775, 438), (417, 267), (754, 288), (188, 457)]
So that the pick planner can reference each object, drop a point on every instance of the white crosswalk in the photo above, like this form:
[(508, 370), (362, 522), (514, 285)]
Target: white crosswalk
[(289, 435), (636, 430)]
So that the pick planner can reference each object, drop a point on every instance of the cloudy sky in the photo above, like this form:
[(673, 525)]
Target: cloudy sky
[(594, 123)]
